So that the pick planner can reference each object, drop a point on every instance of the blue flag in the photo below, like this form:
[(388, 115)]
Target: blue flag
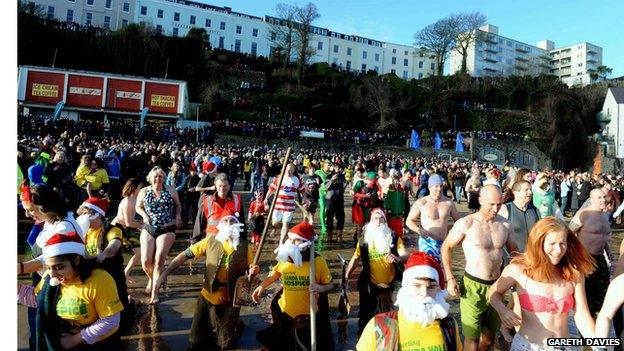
[(144, 112), (414, 140), (438, 141), (459, 143), (57, 111)]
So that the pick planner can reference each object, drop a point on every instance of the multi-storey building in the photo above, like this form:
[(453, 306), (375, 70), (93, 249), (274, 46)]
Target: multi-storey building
[(111, 14), (239, 32), (494, 55), (574, 64)]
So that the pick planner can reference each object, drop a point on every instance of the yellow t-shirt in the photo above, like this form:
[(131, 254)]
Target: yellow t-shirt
[(412, 337), (81, 173), (306, 162), (295, 299), (382, 271), (82, 304), (93, 235), (219, 296), (97, 179)]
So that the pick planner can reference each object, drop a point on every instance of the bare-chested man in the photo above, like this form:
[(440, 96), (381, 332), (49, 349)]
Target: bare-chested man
[(473, 185), (483, 235), (434, 211), (591, 225)]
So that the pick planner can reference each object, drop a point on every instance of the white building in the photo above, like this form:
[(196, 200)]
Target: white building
[(111, 14), (494, 55), (611, 119), (573, 64), (239, 32)]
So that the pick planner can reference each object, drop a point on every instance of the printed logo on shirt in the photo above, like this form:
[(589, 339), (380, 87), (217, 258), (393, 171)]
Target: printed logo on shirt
[(295, 282), (71, 307)]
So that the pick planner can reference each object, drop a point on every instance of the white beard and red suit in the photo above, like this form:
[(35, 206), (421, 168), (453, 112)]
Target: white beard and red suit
[(279, 336), (379, 237), (422, 310)]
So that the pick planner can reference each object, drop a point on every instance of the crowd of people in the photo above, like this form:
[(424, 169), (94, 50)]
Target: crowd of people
[(525, 267)]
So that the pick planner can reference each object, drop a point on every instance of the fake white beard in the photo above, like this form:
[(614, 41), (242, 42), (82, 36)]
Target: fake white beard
[(229, 232), (84, 222), (54, 281), (423, 310), (289, 250), (380, 238)]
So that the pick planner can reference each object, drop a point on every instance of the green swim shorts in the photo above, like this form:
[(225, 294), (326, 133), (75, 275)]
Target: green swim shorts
[(477, 315)]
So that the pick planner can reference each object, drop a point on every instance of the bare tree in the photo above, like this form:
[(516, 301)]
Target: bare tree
[(379, 99), (468, 32), (282, 32), (305, 16), (439, 37)]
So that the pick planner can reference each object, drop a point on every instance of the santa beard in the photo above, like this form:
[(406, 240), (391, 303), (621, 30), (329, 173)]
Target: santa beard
[(230, 233), (422, 310), (289, 251), (380, 238)]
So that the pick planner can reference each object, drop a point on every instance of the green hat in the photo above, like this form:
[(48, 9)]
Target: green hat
[(371, 175)]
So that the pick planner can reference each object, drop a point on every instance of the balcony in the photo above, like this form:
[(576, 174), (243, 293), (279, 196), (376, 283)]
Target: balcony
[(591, 51), (492, 49), (522, 59), (490, 39), (490, 59), (592, 60), (544, 65), (522, 49), (490, 69), (521, 67)]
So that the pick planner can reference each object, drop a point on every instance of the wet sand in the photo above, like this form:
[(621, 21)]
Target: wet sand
[(166, 326)]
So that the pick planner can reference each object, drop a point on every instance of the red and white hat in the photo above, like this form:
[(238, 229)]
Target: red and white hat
[(99, 205), (229, 214), (303, 231), (62, 244), (421, 265), (378, 210), (209, 167)]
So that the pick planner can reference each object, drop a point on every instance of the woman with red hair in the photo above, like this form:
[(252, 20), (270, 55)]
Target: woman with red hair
[(550, 281)]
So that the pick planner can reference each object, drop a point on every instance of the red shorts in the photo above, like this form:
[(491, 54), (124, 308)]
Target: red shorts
[(396, 224)]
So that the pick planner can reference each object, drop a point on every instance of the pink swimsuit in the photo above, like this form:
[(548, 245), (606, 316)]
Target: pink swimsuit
[(540, 303)]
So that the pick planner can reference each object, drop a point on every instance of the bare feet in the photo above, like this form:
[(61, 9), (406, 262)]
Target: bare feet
[(154, 300), (148, 288)]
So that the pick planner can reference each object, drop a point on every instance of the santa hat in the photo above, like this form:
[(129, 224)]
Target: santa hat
[(209, 167), (62, 244), (421, 265), (227, 214), (25, 195), (303, 231), (99, 205), (378, 210)]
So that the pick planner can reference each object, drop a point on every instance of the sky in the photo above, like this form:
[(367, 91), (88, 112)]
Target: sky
[(565, 22)]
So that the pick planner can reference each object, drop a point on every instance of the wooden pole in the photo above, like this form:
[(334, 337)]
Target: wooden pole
[(312, 301)]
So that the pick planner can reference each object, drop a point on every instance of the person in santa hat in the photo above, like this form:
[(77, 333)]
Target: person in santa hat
[(228, 256), (291, 306), (422, 320), (103, 241), (77, 303), (381, 252)]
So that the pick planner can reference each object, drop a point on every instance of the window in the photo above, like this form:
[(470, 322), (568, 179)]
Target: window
[(420, 64), (160, 13), (508, 61), (348, 65), (393, 71), (405, 62), (404, 74), (70, 15), (90, 2), (89, 19), (420, 75), (176, 16), (376, 57), (336, 48), (363, 68), (273, 36), (319, 46), (222, 26), (580, 64), (239, 29), (144, 10), (107, 22), (364, 55), (237, 44), (349, 50), (208, 22), (50, 12), (124, 23), (71, 0), (394, 51), (405, 52), (175, 32), (221, 42), (254, 32), (509, 43), (109, 4), (394, 60), (192, 20), (432, 65), (254, 49), (126, 7), (158, 29)]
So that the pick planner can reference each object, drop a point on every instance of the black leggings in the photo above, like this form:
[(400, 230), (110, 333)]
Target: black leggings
[(334, 209)]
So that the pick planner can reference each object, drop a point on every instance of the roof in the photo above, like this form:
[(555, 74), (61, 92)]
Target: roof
[(618, 94)]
